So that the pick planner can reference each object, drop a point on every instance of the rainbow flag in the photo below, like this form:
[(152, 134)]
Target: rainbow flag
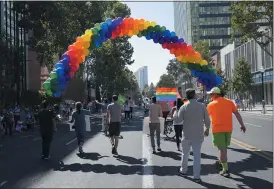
[(166, 94)]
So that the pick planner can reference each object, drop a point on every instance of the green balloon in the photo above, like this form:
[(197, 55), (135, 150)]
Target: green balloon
[(54, 88), (139, 34), (157, 28), (95, 31), (53, 81), (163, 28), (53, 75), (46, 85), (144, 32), (150, 29), (48, 92), (98, 26)]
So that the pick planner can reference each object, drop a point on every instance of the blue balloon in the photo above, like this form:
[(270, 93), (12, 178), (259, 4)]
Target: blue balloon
[(181, 40), (172, 34), (174, 39), (193, 73), (155, 40), (167, 33), (57, 94), (161, 40), (65, 56), (68, 78), (219, 80), (148, 37), (59, 65), (120, 20), (60, 71), (108, 21)]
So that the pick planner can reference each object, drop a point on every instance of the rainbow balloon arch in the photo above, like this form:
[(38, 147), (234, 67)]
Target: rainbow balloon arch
[(93, 38)]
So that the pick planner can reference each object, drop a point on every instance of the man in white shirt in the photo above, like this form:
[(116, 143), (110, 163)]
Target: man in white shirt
[(194, 117), (155, 111)]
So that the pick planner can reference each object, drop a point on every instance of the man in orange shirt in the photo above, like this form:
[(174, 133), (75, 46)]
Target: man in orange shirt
[(220, 110)]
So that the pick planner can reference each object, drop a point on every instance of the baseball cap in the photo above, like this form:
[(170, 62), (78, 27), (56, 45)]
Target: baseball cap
[(214, 90)]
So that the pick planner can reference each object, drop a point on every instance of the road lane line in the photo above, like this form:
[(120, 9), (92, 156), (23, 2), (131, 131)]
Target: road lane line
[(147, 179), (252, 149), (253, 125), (3, 183), (71, 141)]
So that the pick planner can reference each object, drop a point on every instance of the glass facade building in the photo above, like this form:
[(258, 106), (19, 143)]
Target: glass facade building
[(142, 77), (203, 21), (13, 73), (257, 58)]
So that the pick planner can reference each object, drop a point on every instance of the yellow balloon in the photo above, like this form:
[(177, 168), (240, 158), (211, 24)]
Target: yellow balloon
[(153, 23), (180, 58), (147, 23), (204, 62), (85, 37), (86, 52), (86, 44), (88, 32)]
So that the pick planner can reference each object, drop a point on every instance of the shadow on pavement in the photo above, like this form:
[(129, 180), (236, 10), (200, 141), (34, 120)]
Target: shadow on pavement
[(170, 154), (253, 163), (131, 160), (28, 150), (94, 156)]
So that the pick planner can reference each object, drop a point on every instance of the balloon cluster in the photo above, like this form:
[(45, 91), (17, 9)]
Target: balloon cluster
[(70, 61)]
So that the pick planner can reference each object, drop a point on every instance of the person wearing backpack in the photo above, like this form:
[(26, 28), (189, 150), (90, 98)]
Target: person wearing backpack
[(178, 125)]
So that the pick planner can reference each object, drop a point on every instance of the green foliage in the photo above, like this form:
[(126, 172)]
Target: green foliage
[(245, 17), (242, 77), (166, 81), (203, 48), (149, 90)]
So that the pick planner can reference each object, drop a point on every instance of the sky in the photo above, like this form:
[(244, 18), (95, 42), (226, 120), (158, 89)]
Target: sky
[(146, 52)]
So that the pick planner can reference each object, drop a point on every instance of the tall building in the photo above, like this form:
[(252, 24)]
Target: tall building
[(259, 61), (22, 71), (142, 77), (204, 21)]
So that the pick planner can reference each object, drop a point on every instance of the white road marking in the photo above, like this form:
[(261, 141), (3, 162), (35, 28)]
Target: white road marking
[(3, 183), (71, 141), (253, 125), (147, 170)]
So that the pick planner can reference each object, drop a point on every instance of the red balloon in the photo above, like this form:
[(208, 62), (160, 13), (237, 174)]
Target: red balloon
[(164, 45), (184, 45)]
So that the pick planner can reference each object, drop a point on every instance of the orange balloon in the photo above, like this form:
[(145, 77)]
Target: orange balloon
[(79, 39), (79, 45), (86, 52), (86, 44), (72, 47)]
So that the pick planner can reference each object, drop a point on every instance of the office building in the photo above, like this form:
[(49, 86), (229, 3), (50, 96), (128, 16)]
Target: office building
[(142, 77), (258, 59), (203, 21)]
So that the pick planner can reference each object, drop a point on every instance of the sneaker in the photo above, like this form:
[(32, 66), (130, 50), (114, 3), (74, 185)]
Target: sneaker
[(197, 180), (224, 173), (153, 152), (182, 173), (159, 149), (46, 158), (113, 150), (218, 165)]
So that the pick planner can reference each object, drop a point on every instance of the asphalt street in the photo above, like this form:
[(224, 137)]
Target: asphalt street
[(259, 131), (135, 167)]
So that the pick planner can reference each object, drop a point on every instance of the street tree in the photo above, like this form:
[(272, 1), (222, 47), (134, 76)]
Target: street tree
[(246, 21), (242, 77), (149, 90), (202, 47), (166, 80)]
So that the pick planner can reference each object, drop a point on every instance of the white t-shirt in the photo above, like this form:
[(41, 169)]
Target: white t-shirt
[(130, 103), (126, 107), (176, 120)]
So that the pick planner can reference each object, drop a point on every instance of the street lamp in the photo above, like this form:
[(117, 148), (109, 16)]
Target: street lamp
[(263, 101)]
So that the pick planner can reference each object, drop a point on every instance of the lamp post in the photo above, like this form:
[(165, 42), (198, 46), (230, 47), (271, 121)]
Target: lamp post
[(263, 101)]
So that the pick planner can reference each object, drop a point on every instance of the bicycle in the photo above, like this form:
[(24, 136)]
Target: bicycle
[(169, 130)]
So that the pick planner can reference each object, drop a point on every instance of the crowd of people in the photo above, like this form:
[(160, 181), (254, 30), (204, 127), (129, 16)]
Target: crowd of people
[(191, 119)]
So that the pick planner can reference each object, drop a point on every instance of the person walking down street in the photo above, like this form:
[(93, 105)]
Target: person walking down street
[(220, 111), (131, 104), (114, 114), (178, 125), (127, 110), (16, 114), (79, 120), (9, 121), (194, 116), (155, 112), (104, 116), (47, 127)]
